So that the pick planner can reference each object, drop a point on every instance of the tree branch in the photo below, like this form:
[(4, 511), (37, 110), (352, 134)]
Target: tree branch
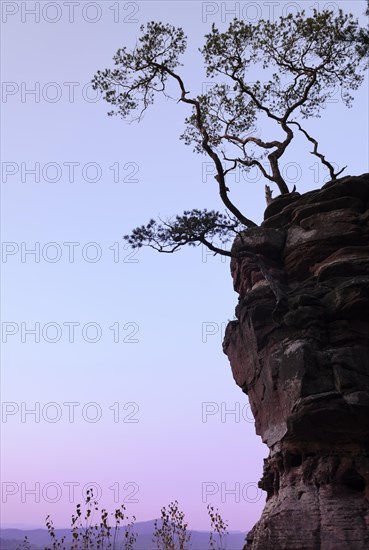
[(211, 153), (315, 152)]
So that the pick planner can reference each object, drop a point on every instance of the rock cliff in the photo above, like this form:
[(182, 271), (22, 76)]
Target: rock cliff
[(300, 350)]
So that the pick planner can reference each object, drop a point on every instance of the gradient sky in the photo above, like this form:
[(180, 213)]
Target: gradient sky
[(149, 420)]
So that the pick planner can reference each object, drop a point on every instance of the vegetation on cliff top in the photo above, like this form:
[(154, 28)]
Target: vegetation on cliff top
[(301, 60)]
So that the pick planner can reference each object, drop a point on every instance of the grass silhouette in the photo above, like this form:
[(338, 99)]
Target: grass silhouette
[(92, 528)]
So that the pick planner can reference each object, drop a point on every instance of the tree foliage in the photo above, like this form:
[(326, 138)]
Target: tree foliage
[(302, 59), (193, 227)]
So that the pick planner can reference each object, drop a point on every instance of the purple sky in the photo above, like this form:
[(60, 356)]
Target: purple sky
[(128, 383)]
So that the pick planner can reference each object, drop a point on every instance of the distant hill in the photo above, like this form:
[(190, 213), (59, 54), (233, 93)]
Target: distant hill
[(39, 538)]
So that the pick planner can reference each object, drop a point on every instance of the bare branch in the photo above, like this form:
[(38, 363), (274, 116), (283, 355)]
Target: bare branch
[(315, 152)]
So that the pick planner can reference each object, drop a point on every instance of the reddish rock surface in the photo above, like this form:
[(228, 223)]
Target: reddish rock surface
[(300, 350)]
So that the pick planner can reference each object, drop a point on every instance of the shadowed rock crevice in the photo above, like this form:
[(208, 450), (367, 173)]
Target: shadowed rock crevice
[(300, 350)]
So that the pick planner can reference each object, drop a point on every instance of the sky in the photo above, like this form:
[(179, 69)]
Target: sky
[(113, 375)]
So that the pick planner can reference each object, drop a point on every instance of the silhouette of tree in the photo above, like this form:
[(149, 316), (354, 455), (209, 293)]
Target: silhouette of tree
[(302, 60)]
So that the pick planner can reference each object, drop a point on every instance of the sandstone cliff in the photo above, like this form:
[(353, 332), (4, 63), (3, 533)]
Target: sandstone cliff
[(300, 351)]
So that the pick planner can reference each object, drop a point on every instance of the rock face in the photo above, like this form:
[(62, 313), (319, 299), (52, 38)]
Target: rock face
[(300, 351)]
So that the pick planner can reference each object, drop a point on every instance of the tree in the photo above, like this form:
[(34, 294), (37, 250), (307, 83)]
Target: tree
[(301, 58)]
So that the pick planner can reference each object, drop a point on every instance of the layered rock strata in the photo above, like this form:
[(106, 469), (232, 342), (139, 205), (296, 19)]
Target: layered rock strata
[(300, 350)]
